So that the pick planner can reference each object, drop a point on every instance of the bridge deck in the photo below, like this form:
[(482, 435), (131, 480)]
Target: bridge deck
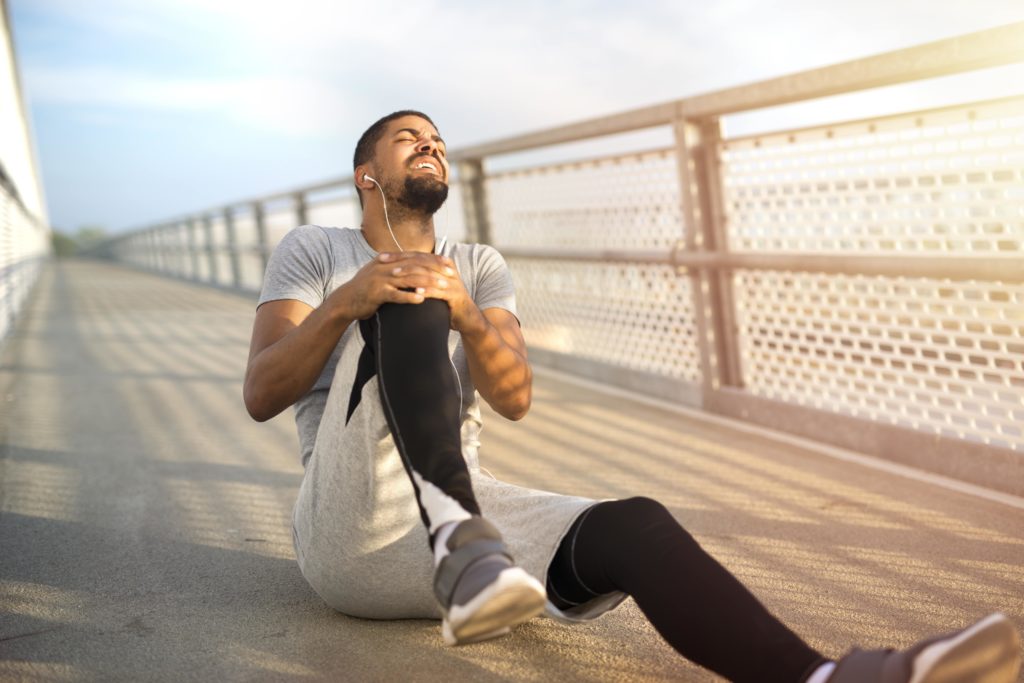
[(145, 519)]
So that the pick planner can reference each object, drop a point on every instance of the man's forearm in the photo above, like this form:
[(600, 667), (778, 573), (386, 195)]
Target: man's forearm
[(500, 373), (283, 372)]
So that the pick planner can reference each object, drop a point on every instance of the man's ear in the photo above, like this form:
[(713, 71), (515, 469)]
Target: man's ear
[(362, 182)]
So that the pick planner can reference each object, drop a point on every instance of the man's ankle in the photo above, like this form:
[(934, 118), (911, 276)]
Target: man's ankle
[(441, 541)]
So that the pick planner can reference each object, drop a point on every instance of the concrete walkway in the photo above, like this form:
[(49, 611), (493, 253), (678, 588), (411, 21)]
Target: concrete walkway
[(145, 519)]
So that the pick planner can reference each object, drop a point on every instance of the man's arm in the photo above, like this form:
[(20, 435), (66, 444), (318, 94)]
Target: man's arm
[(291, 341), (494, 346), (496, 353)]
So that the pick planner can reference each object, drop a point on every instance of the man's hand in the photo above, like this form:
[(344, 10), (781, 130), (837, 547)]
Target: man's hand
[(494, 344), (409, 277)]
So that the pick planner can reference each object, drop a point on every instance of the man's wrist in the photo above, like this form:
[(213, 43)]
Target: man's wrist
[(477, 325), (339, 310)]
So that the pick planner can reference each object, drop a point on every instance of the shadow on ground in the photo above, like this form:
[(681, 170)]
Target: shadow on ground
[(145, 519)]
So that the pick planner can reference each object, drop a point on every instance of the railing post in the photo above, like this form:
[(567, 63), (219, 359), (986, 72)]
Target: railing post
[(161, 261), (193, 248), (177, 249), (211, 250), (700, 191), (236, 264), (261, 235), (723, 303), (474, 201), (301, 214)]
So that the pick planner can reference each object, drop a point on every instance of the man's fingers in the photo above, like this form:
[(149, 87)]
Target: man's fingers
[(412, 280), (433, 261), (401, 296), (418, 295)]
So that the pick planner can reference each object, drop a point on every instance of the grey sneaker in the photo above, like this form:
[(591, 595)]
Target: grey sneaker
[(987, 652), (481, 592)]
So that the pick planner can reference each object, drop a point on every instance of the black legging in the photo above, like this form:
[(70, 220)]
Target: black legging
[(704, 612), (630, 545), (406, 347)]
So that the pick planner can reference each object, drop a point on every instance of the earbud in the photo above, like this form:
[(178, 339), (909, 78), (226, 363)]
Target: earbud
[(372, 180)]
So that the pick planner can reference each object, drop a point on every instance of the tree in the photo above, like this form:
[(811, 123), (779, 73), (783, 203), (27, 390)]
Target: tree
[(90, 235), (63, 246)]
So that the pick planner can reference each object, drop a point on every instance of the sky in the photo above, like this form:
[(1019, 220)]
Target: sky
[(143, 110)]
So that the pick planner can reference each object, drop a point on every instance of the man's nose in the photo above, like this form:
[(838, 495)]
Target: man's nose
[(426, 145)]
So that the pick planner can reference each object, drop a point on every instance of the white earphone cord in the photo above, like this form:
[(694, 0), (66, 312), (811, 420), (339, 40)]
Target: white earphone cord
[(444, 239), (384, 201)]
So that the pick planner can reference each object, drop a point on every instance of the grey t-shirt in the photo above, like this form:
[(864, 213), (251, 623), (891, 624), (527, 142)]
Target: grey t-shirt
[(312, 261)]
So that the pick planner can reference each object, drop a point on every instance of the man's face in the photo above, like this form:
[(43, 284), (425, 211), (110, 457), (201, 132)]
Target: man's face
[(413, 163)]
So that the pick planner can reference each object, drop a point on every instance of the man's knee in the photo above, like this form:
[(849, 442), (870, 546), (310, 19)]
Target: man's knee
[(640, 521), (430, 317)]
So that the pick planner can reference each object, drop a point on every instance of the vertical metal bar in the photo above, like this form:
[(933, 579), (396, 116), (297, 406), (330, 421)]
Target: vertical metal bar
[(211, 250), (474, 201), (261, 235), (159, 259), (236, 263), (193, 248), (716, 239), (301, 213), (177, 250), (687, 138), (703, 211)]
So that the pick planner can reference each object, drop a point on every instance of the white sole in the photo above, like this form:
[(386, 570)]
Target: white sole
[(988, 652), (514, 597)]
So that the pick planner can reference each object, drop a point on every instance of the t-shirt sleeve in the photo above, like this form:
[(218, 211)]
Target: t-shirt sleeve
[(299, 268), (494, 288)]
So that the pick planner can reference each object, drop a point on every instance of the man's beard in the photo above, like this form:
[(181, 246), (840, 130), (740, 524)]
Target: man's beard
[(423, 194)]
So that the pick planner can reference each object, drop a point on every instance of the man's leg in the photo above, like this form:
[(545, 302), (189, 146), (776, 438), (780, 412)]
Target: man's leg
[(407, 348), (702, 610), (481, 592), (709, 617)]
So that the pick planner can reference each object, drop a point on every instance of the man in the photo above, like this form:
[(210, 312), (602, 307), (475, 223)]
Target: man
[(382, 337)]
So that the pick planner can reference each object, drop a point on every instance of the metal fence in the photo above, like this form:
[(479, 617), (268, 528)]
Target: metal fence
[(859, 283), (24, 245)]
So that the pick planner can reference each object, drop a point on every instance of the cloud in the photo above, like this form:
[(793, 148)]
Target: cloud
[(298, 107), (314, 67), (298, 81)]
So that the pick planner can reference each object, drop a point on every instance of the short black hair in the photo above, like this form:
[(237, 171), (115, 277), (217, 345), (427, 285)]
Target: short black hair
[(368, 140)]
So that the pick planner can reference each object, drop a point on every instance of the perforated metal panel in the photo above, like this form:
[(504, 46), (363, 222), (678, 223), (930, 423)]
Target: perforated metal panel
[(628, 315), (626, 202), (946, 357), (250, 261), (947, 181), (278, 222), (340, 213), (221, 255), (451, 218)]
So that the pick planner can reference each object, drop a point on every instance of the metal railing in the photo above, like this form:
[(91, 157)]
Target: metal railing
[(24, 245), (859, 283)]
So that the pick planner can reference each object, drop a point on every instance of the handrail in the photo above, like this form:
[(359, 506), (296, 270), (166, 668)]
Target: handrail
[(1008, 268), (983, 49), (970, 52)]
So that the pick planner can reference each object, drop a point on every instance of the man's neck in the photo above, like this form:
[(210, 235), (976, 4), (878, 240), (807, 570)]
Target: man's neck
[(413, 232)]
